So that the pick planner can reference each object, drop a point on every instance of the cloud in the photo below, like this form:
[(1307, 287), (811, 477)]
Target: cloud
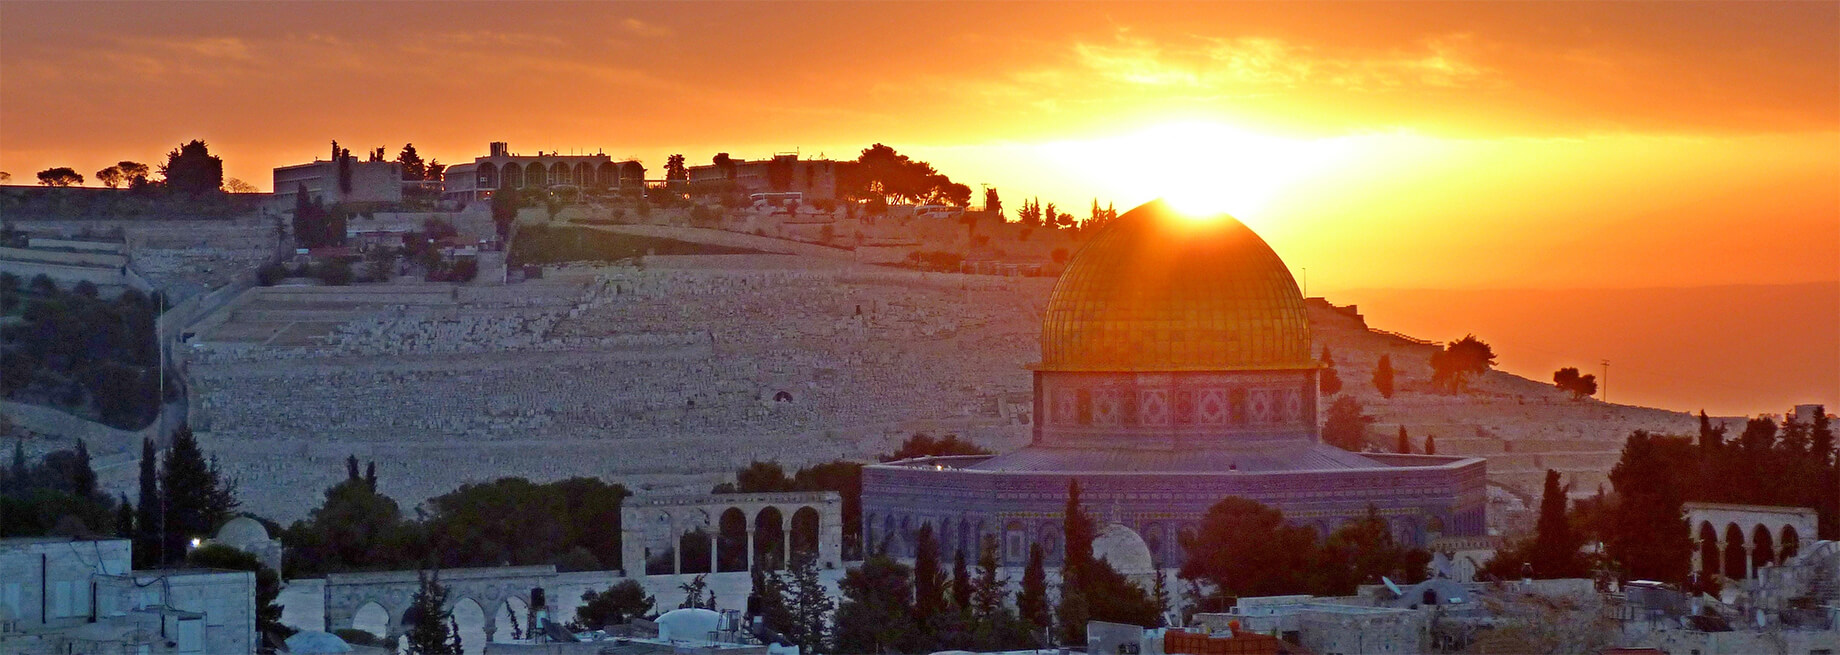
[(1255, 63), (648, 30)]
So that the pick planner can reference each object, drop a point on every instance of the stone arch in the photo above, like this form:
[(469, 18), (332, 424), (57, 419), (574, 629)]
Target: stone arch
[(604, 175), (1709, 562), (805, 532), (513, 176), (559, 173), (475, 626), (632, 174), (1434, 526), (769, 539), (695, 533), (732, 540), (584, 174), (511, 616), (1763, 546), (1049, 536), (488, 175), (782, 397), (1734, 564), (1791, 542), (536, 175), (1015, 546), (374, 618)]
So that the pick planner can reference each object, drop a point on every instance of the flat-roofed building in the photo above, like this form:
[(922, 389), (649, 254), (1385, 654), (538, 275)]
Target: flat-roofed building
[(813, 179), (503, 169), (63, 595)]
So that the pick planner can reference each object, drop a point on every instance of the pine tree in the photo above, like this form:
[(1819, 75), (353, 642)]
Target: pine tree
[(149, 524), (1405, 442), (1383, 376), (1430, 444), (429, 634), (1650, 535), (1032, 600), (876, 615), (198, 499), (961, 581), (810, 604), (1710, 439)]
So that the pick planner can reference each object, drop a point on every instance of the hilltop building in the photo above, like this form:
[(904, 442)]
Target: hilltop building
[(371, 181), (813, 179), (1175, 371), (503, 169)]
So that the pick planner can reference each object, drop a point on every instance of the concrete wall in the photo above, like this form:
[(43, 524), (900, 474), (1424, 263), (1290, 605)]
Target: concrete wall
[(65, 257), (76, 244), (64, 274), (46, 581)]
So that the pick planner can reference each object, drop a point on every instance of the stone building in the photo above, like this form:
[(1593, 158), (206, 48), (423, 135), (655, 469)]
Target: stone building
[(503, 169), (1175, 371), (63, 595), (813, 179), (371, 181)]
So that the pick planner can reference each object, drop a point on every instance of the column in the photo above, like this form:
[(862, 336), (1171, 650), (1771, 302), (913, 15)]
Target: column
[(1750, 562), (1719, 566), (785, 541), (1697, 563), (750, 550), (714, 555)]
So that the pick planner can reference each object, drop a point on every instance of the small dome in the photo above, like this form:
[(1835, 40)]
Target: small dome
[(692, 624), (242, 530), (1126, 551), (1159, 291)]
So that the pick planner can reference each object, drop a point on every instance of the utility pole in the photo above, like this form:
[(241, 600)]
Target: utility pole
[(1606, 381)]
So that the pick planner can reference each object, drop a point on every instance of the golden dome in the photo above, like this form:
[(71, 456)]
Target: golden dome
[(1158, 291)]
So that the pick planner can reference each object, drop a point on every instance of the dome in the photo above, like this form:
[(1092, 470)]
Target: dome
[(694, 623), (242, 530), (1157, 291), (1124, 550)]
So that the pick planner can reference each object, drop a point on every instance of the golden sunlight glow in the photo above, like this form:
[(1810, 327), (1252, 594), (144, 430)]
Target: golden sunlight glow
[(1201, 168)]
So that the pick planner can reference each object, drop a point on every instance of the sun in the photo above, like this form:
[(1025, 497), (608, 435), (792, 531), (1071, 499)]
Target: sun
[(1202, 169)]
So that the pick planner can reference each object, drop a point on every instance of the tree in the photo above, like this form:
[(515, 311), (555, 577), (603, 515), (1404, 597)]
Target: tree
[(1452, 367), (1345, 427), (674, 168), (624, 601), (994, 626), (1330, 382), (82, 477), (993, 203), (1090, 588), (198, 498), (1363, 551), (697, 594), (1245, 549), (110, 177), (436, 171), (1651, 538), (929, 581), (809, 603), (1430, 444), (5, 176), (429, 624), (877, 612), (1555, 549), (61, 176), (1032, 600), (1568, 379), (134, 173), (124, 518), (268, 583), (1405, 442), (191, 169), (921, 445), (233, 185), (1383, 376), (411, 163), (961, 581), (149, 547), (1710, 439)]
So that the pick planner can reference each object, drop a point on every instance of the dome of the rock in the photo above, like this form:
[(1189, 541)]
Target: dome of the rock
[(1160, 291)]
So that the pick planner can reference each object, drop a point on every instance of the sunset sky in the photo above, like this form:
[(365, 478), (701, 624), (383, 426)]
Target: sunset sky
[(1472, 146)]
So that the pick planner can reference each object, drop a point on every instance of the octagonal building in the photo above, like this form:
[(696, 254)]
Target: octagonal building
[(1175, 371)]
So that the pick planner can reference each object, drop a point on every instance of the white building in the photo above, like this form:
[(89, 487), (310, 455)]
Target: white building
[(371, 181), (503, 169), (63, 595)]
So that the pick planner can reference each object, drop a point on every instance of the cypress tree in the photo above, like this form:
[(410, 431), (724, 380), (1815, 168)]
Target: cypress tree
[(1430, 444), (1330, 382), (1077, 531), (351, 467), (961, 581), (1032, 600), (82, 477), (1405, 443), (1383, 376), (124, 518), (1555, 549), (429, 633), (370, 476), (149, 546), (17, 478), (929, 581)]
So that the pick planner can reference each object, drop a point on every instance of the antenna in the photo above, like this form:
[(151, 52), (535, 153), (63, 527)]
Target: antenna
[(1605, 387)]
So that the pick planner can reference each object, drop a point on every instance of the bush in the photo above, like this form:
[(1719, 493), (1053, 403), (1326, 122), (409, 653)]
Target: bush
[(358, 637), (270, 273), (334, 273)]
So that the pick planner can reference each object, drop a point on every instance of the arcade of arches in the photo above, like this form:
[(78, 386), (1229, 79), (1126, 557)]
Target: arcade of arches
[(729, 532), (1735, 540)]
